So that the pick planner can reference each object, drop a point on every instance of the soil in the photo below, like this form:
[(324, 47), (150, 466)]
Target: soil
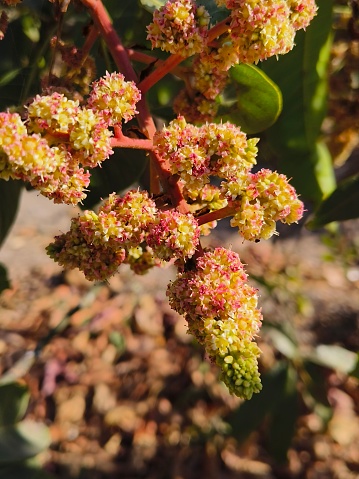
[(127, 393)]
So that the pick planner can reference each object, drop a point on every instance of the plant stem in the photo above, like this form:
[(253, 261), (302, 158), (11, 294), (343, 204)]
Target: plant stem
[(166, 66), (103, 22), (169, 183), (172, 61), (228, 210), (122, 141)]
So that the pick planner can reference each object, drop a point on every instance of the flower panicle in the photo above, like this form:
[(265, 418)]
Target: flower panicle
[(221, 310)]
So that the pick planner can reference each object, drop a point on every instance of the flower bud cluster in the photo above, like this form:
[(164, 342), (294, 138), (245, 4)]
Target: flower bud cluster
[(208, 79), (126, 229), (211, 150), (180, 26), (199, 155), (77, 72), (260, 29), (61, 139), (194, 107), (267, 198), (221, 310)]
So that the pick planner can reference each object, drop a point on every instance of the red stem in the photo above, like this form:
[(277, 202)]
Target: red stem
[(90, 40), (103, 22), (141, 57), (172, 61), (169, 64), (228, 210)]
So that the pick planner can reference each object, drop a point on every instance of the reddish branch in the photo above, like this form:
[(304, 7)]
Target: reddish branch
[(172, 61), (229, 210), (122, 141), (103, 22)]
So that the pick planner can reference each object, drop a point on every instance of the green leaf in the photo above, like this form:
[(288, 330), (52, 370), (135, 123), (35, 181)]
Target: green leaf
[(161, 95), (131, 19), (14, 399), (9, 200), (302, 77), (341, 205), (152, 5), (216, 13), (314, 392), (281, 342), (258, 100), (9, 76), (4, 280), (23, 471), (250, 415), (284, 417), (122, 170), (355, 371), (22, 441), (335, 357)]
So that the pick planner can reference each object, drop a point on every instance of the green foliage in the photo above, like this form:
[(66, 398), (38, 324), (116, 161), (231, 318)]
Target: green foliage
[(20, 439), (4, 281), (123, 169), (297, 377), (24, 470), (277, 403), (23, 440), (341, 205), (23, 52), (302, 77), (14, 399), (254, 102), (9, 201)]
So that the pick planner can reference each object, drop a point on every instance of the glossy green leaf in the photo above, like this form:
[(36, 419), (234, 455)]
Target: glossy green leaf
[(22, 441), (302, 77), (14, 399), (9, 201), (4, 280), (258, 100), (284, 417), (341, 205)]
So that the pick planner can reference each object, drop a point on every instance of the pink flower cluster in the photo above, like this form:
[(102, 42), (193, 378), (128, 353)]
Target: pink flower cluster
[(199, 155), (30, 158), (268, 198), (180, 26), (126, 229), (221, 310), (263, 28), (60, 139), (194, 107), (211, 150)]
